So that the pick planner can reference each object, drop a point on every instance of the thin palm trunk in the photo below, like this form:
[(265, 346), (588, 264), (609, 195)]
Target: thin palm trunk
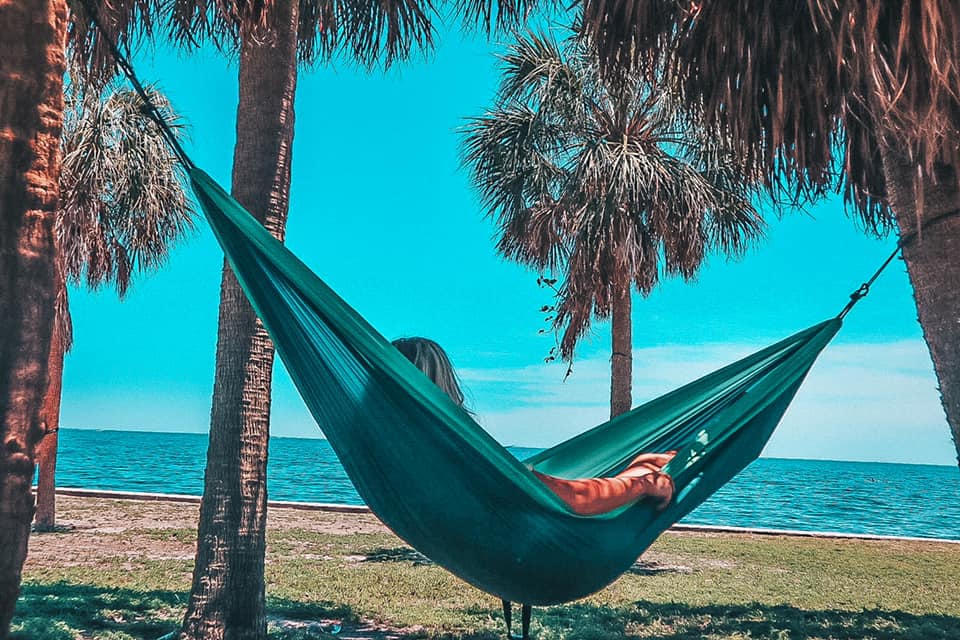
[(933, 263), (31, 117), (46, 517), (227, 598), (621, 362)]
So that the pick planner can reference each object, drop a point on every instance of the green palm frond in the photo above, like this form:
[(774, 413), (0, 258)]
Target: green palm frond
[(601, 179), (128, 23), (533, 70)]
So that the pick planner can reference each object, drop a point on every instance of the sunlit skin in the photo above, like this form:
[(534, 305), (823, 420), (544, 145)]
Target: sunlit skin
[(641, 479)]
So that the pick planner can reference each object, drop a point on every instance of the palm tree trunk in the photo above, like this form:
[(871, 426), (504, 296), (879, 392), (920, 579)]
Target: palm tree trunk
[(621, 362), (933, 263), (46, 517), (32, 42), (227, 598)]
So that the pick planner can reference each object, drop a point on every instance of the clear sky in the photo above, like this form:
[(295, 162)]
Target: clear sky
[(382, 210)]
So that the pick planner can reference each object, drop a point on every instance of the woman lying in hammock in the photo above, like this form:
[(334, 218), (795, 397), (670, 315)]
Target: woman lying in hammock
[(643, 477)]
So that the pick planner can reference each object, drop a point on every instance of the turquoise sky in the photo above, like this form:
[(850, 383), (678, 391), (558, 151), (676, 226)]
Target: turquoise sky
[(383, 211)]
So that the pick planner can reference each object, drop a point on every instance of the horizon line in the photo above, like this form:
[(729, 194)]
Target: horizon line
[(505, 446)]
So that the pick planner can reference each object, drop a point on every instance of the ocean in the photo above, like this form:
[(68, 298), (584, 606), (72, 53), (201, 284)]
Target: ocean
[(807, 495)]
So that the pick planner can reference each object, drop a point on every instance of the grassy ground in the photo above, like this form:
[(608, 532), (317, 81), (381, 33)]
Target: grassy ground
[(124, 572)]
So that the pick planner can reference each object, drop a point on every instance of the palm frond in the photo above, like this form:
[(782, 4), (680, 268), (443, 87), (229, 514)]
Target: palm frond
[(805, 87), (371, 31), (629, 33), (534, 69), (126, 22), (493, 15), (368, 32), (602, 180), (63, 319), (123, 197), (512, 153)]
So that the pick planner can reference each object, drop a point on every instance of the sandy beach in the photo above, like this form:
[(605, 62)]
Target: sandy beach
[(102, 528)]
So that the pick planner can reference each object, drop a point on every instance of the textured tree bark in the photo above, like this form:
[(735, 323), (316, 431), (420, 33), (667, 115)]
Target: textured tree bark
[(46, 516), (621, 362), (933, 263), (32, 38), (227, 597)]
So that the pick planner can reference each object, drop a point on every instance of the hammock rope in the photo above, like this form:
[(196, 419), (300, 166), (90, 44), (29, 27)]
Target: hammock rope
[(864, 289), (905, 240)]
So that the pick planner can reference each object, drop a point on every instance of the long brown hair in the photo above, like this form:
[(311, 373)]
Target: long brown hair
[(429, 357)]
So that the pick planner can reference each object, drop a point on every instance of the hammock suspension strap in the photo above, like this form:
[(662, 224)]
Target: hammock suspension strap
[(864, 289), (148, 107)]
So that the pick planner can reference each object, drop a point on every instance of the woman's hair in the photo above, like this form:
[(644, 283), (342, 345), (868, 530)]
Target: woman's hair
[(429, 357)]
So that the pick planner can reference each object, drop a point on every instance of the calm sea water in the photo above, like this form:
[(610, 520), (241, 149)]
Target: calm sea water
[(810, 495)]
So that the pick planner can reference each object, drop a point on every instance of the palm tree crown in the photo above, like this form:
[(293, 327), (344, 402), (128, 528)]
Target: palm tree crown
[(123, 198), (601, 179), (861, 96), (123, 201)]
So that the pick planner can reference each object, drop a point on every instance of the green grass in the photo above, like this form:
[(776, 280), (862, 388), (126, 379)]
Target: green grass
[(710, 587)]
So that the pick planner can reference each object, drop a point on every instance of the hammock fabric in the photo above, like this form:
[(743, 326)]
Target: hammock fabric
[(449, 489)]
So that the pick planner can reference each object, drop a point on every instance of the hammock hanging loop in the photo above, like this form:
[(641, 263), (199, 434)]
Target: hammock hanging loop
[(864, 289)]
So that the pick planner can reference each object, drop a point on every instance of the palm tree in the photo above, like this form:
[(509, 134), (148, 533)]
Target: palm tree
[(122, 205), (858, 95), (31, 115), (227, 598), (599, 178)]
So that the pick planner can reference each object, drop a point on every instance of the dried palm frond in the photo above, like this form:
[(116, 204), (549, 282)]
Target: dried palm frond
[(807, 90), (368, 32), (124, 22), (123, 199)]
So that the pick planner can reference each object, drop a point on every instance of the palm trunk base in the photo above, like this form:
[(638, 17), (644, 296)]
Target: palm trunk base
[(621, 361), (46, 516)]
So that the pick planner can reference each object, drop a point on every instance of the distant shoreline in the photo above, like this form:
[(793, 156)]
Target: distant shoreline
[(508, 446), (858, 498), (360, 509)]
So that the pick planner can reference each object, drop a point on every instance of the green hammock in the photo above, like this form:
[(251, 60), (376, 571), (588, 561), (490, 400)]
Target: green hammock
[(450, 490)]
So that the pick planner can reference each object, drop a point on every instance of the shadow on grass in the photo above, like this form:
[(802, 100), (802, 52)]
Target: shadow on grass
[(675, 621), (652, 568), (398, 554), (64, 611)]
